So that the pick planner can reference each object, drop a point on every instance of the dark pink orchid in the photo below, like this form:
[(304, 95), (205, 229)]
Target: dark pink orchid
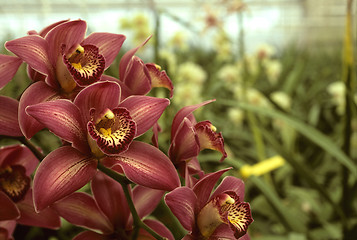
[(221, 214), (100, 127), (61, 59), (107, 212), (8, 67), (9, 124), (188, 138), (16, 165), (138, 78), (6, 229)]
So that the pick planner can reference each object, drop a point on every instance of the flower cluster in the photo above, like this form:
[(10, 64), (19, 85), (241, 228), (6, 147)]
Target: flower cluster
[(99, 120)]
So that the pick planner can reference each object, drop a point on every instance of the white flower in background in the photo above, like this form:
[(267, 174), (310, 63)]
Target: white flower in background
[(187, 94), (337, 91), (190, 72), (281, 99), (253, 96), (178, 41), (170, 59), (236, 116), (229, 74), (265, 50), (273, 69)]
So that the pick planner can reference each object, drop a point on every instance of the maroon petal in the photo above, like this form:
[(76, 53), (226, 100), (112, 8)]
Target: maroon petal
[(80, 209), (146, 200), (34, 51), (125, 60), (158, 227), (19, 155), (145, 110), (209, 139), (47, 218), (63, 118), (230, 183), (182, 113), (137, 77), (109, 44), (36, 93), (89, 235), (62, 172), (44, 31), (204, 186), (100, 96), (8, 210), (8, 67), (68, 34), (182, 202), (146, 165), (9, 124), (110, 198), (185, 144), (6, 229), (159, 78)]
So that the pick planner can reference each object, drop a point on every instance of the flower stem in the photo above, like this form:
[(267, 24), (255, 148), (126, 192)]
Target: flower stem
[(138, 223)]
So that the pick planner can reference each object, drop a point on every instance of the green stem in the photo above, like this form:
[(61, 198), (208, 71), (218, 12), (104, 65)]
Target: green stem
[(40, 156), (124, 183)]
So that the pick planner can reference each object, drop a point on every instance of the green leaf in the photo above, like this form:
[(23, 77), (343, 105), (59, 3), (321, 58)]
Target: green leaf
[(309, 132)]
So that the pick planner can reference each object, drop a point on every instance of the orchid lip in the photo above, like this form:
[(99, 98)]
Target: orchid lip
[(85, 64), (14, 182), (113, 131)]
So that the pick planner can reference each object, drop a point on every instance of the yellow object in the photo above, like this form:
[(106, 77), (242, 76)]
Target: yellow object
[(262, 167)]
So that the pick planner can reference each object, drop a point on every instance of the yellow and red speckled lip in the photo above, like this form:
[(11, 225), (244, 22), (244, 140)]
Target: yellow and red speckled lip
[(85, 64), (14, 182), (113, 131)]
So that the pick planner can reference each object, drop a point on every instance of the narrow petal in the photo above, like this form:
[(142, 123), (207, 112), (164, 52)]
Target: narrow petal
[(8, 67), (146, 165), (204, 186), (63, 118), (69, 33), (125, 60), (137, 77), (8, 210), (125, 91), (158, 227), (80, 209), (36, 93), (209, 139), (145, 111), (184, 112), (159, 78), (9, 124), (109, 44), (62, 172), (34, 51), (89, 235), (230, 183), (100, 96), (181, 202), (110, 198), (185, 144), (47, 218), (44, 31)]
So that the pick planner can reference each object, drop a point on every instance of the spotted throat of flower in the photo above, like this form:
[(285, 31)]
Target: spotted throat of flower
[(83, 65), (225, 209), (110, 132), (14, 182)]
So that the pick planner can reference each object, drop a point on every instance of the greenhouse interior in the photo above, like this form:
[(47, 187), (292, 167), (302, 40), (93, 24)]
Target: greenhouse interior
[(192, 119)]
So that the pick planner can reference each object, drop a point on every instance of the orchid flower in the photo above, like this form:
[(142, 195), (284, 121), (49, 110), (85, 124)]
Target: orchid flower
[(188, 138), (6, 229), (222, 214), (102, 128), (61, 60), (138, 78), (108, 217), (16, 165)]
